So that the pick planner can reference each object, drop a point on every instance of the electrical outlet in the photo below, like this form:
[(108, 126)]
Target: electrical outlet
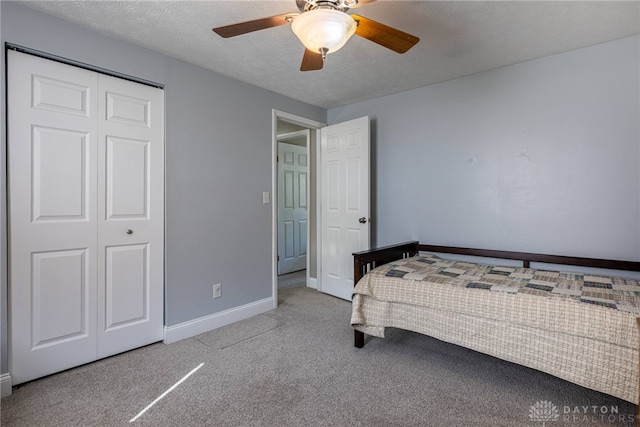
[(217, 290)]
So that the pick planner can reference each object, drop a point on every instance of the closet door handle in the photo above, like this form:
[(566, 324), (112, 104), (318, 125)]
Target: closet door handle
[(129, 231)]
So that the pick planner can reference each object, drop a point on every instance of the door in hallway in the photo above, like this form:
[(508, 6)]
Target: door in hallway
[(293, 178)]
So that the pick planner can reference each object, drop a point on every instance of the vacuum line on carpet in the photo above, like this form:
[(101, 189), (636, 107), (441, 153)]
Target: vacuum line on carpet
[(166, 392), (251, 337)]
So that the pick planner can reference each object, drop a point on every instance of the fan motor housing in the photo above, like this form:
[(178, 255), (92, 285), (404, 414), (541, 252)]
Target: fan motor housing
[(341, 5)]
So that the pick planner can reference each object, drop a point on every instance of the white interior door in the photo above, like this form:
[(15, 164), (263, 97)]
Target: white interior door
[(130, 215), (344, 152), (293, 180), (77, 181)]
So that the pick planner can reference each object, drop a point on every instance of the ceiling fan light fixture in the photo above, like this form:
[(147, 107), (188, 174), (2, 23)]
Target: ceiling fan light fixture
[(324, 30)]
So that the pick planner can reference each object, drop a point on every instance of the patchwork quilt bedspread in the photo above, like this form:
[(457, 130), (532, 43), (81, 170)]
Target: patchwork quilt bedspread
[(597, 307)]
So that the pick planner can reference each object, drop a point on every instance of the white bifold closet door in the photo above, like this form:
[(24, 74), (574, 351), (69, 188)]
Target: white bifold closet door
[(86, 215)]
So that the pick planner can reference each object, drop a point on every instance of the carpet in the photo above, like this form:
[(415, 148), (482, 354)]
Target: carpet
[(296, 366), (290, 280)]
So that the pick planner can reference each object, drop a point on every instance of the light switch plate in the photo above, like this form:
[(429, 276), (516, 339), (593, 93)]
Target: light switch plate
[(265, 197)]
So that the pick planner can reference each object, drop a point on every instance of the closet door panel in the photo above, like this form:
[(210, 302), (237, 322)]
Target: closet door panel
[(131, 215), (52, 166)]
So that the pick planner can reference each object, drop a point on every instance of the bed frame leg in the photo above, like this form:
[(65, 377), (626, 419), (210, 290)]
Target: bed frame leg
[(358, 339)]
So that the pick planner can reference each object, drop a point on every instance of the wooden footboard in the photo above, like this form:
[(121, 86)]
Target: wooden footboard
[(365, 261)]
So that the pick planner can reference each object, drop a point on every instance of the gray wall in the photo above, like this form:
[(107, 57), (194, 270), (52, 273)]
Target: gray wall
[(218, 163), (543, 156)]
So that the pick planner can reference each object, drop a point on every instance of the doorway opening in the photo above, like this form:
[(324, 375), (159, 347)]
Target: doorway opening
[(293, 198), (295, 219)]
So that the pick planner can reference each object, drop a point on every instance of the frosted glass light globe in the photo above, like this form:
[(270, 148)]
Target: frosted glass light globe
[(323, 28)]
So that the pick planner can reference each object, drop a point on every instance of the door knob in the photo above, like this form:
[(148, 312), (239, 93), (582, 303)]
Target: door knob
[(129, 231), (362, 220)]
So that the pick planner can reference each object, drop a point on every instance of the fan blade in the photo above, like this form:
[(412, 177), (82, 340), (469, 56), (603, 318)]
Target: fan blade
[(311, 61), (255, 25), (386, 36)]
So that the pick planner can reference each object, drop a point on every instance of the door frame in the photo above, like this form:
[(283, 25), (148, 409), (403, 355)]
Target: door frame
[(314, 126)]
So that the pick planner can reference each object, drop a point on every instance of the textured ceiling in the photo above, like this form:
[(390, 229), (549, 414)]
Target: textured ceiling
[(458, 38)]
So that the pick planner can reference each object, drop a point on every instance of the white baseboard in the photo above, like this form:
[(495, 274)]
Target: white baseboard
[(312, 283), (208, 323), (5, 384)]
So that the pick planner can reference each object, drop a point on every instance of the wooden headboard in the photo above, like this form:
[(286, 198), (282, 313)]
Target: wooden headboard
[(364, 261)]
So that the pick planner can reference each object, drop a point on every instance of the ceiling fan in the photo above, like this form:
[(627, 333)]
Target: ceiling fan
[(323, 27)]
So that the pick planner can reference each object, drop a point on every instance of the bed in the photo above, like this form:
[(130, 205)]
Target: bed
[(581, 327)]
